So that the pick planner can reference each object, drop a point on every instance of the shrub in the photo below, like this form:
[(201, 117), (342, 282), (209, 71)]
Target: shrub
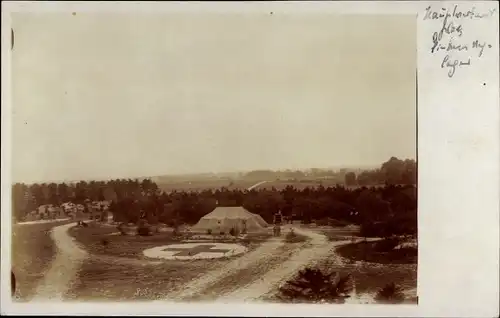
[(336, 222), (153, 219), (144, 229), (390, 294), (209, 231), (104, 242), (313, 285), (322, 222), (292, 237), (176, 231), (121, 228), (222, 233)]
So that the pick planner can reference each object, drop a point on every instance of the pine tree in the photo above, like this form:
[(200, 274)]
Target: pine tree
[(390, 294), (312, 285)]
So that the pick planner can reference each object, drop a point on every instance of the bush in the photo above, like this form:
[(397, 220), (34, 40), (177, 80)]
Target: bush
[(313, 285), (176, 231), (292, 237), (121, 228), (336, 222), (104, 242), (153, 219), (144, 230), (222, 233), (209, 231), (390, 294)]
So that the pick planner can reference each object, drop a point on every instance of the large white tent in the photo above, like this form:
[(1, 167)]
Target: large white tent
[(225, 218)]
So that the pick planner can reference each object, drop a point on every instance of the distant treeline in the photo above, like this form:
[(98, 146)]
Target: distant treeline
[(394, 171), (390, 209)]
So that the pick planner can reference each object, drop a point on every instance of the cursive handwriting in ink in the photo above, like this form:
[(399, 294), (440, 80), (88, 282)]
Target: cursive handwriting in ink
[(448, 37), (452, 64), (477, 45), (437, 46), (456, 14)]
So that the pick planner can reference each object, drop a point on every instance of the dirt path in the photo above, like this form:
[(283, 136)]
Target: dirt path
[(64, 267), (273, 278), (42, 221), (256, 185), (197, 285)]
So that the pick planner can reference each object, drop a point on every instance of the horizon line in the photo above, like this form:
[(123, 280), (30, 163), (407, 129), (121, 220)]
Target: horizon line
[(333, 167)]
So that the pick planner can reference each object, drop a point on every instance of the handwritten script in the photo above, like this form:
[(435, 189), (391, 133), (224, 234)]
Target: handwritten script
[(448, 41)]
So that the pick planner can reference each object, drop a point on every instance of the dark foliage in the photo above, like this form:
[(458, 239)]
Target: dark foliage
[(104, 242), (390, 294), (313, 285), (381, 211), (143, 228)]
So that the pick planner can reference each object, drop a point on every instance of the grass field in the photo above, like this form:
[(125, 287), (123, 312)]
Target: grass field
[(32, 253), (199, 185), (110, 279), (119, 271), (368, 277), (91, 238)]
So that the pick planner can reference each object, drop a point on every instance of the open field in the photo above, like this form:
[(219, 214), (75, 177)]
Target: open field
[(368, 277), (114, 279), (117, 270), (200, 185), (32, 252), (101, 240)]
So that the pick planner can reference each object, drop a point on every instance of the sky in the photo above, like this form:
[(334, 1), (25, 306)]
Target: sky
[(126, 95)]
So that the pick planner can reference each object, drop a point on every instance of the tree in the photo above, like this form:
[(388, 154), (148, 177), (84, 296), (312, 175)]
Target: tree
[(63, 192), (409, 173), (313, 285), (390, 294), (20, 201), (350, 179)]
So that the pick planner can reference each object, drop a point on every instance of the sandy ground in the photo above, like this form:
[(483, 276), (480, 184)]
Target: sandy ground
[(197, 285), (273, 278), (42, 221), (59, 277), (64, 267), (270, 282), (257, 184)]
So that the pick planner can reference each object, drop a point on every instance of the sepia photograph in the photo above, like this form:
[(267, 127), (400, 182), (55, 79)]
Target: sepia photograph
[(214, 157)]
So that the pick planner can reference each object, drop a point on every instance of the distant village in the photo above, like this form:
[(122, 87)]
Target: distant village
[(95, 210)]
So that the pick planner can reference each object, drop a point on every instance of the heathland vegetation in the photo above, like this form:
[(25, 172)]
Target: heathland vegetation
[(386, 207)]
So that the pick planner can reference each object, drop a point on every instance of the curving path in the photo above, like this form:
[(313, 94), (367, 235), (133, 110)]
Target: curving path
[(256, 185), (272, 279), (64, 267), (199, 284), (41, 221)]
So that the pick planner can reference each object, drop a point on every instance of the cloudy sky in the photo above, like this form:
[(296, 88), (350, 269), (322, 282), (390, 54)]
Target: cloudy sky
[(109, 95)]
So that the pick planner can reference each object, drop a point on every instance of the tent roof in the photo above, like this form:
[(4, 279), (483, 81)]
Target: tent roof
[(225, 212)]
